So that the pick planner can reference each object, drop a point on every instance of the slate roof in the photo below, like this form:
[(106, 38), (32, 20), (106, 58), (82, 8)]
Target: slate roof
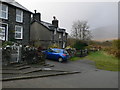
[(48, 25), (51, 27), (16, 4)]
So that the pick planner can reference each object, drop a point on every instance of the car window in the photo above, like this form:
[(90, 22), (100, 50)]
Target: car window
[(57, 51), (65, 52), (49, 50)]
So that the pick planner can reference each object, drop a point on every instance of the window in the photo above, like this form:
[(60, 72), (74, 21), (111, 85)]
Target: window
[(18, 32), (63, 33), (63, 44), (19, 15), (4, 11), (65, 52), (55, 32), (60, 35), (57, 51), (2, 33)]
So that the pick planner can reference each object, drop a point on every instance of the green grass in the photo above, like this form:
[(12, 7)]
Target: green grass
[(102, 60), (75, 58)]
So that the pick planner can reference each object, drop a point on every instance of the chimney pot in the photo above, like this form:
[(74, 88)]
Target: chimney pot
[(55, 22), (37, 16), (35, 11), (54, 17)]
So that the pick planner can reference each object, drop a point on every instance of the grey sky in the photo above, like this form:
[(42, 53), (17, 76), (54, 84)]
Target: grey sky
[(102, 17)]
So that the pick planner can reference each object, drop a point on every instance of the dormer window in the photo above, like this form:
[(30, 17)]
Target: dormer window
[(4, 11), (63, 33), (60, 36), (19, 15)]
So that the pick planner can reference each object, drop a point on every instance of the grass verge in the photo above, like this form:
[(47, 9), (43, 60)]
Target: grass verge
[(75, 58), (102, 60)]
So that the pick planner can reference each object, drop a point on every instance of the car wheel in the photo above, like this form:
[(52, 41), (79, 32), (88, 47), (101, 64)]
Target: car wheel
[(60, 59)]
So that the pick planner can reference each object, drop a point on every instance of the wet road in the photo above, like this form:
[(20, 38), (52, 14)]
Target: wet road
[(90, 77)]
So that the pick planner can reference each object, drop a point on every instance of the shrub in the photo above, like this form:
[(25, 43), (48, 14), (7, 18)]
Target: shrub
[(54, 46), (114, 49), (80, 45), (4, 44)]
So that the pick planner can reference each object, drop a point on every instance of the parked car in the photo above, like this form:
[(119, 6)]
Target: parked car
[(57, 54)]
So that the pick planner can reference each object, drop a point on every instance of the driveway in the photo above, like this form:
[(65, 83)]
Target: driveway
[(90, 77)]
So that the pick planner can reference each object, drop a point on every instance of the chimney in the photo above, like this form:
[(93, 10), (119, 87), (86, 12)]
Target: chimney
[(55, 22), (36, 16)]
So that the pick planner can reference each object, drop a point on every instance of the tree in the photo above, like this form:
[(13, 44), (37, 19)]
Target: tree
[(80, 44), (70, 41), (80, 30)]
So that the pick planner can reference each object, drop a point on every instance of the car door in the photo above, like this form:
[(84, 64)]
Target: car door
[(50, 54), (54, 55)]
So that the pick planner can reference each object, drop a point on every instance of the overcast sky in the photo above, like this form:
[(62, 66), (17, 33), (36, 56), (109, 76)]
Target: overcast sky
[(102, 16)]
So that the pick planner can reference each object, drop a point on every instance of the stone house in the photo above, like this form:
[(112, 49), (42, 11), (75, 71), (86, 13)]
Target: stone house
[(46, 34), (14, 22)]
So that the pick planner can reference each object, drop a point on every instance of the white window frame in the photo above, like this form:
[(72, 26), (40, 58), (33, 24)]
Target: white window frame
[(63, 33), (19, 32), (2, 38), (55, 32), (1, 11), (21, 16), (60, 35), (64, 44), (6, 32)]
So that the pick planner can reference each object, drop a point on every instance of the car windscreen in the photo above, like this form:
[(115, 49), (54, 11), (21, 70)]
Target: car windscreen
[(49, 50), (57, 51)]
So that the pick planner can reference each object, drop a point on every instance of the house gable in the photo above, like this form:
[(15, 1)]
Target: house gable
[(40, 32)]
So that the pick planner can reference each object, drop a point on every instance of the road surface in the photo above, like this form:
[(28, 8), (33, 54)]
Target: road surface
[(90, 77)]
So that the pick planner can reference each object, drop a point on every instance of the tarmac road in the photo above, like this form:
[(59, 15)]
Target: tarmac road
[(90, 77)]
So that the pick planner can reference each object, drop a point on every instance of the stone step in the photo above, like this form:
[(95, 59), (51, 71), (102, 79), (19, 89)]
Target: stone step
[(34, 70), (37, 75), (19, 65), (15, 68), (23, 67)]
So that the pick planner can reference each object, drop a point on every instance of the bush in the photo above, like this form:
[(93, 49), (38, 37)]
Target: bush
[(114, 49), (80, 45), (54, 46), (4, 44), (116, 44)]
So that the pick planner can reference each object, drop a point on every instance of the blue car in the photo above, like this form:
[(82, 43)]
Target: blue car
[(57, 54)]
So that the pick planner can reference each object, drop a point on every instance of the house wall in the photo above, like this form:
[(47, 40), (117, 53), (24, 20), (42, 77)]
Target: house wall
[(65, 39), (56, 37), (11, 21), (26, 26), (44, 37), (60, 40), (40, 34)]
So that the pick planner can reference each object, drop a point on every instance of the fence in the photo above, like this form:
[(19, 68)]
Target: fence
[(78, 53), (81, 53)]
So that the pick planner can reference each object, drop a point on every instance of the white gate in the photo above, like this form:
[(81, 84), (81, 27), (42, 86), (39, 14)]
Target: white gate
[(15, 54)]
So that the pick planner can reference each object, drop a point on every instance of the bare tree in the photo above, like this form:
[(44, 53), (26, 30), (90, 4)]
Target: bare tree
[(80, 30)]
